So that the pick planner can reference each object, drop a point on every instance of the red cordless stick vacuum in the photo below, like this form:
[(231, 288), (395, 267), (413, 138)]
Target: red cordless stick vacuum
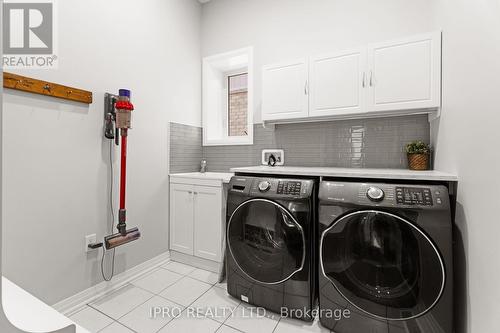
[(124, 110)]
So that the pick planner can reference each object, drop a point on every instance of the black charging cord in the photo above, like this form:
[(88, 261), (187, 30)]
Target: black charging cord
[(272, 160), (94, 246), (112, 218)]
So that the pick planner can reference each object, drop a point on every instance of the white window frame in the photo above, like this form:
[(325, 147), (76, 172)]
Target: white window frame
[(208, 109)]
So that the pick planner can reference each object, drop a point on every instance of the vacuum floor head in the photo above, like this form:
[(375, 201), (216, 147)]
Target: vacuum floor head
[(112, 241)]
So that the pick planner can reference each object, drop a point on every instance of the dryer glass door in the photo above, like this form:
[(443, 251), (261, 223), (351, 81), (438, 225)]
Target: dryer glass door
[(266, 241), (382, 264)]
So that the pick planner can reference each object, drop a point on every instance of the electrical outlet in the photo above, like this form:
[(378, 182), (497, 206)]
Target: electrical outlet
[(279, 155), (89, 239)]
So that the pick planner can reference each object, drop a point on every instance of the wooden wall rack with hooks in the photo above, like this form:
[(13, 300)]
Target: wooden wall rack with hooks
[(40, 87)]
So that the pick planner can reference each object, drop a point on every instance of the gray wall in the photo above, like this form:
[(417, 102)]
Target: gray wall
[(56, 162), (466, 138), (361, 143), (280, 30)]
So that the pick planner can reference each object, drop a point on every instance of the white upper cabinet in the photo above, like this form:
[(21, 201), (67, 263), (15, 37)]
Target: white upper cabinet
[(337, 83), (405, 74), (285, 91), (398, 77)]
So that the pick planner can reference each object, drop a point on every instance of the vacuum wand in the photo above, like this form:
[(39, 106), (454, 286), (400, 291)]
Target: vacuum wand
[(122, 214), (124, 110)]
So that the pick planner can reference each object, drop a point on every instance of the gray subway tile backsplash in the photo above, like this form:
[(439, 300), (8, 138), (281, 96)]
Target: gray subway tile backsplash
[(186, 148), (360, 143)]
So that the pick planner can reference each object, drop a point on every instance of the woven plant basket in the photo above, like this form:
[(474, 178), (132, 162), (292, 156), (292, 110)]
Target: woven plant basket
[(418, 162)]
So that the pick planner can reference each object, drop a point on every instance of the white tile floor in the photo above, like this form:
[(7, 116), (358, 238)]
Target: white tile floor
[(179, 291)]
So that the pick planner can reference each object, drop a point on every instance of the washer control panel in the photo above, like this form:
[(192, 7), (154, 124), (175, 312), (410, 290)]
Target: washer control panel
[(414, 196), (289, 187), (274, 188)]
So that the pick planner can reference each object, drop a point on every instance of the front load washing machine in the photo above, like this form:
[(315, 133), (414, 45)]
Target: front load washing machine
[(385, 258), (270, 254)]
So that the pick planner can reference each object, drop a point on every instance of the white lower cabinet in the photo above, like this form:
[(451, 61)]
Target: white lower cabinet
[(207, 222), (196, 213), (181, 218)]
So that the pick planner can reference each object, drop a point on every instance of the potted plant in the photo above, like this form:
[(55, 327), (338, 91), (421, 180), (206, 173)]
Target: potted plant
[(418, 155)]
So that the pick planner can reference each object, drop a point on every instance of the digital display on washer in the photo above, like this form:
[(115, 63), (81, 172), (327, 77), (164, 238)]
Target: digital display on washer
[(289, 187), (413, 196)]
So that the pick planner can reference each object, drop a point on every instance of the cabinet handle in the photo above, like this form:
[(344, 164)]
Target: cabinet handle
[(371, 78), (306, 88), (364, 79), (190, 192)]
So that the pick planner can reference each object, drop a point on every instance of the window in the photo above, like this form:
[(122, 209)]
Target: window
[(228, 98), (237, 104)]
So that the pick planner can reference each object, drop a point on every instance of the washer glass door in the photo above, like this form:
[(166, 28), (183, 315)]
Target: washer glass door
[(382, 264), (266, 241)]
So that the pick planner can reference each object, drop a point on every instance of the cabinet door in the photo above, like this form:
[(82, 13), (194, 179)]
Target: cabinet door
[(181, 218), (405, 74), (208, 222), (285, 91), (337, 83)]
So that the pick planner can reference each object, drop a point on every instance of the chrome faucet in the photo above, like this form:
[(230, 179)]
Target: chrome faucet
[(203, 166)]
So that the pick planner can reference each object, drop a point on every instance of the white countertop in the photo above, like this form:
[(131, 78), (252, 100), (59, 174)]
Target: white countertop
[(225, 177), (399, 174), (28, 313)]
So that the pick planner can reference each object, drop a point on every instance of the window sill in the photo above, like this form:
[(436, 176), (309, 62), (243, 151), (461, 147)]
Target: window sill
[(229, 142)]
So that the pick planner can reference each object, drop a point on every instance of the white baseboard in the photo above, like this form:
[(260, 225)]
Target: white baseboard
[(71, 304), (197, 262)]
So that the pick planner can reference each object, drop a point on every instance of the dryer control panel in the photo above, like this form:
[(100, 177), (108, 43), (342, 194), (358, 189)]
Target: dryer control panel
[(431, 197)]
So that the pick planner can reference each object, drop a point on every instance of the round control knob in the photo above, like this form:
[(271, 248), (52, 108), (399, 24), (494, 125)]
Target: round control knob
[(375, 194), (264, 186)]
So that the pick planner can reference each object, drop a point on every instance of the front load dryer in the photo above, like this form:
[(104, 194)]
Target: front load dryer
[(270, 254), (385, 258)]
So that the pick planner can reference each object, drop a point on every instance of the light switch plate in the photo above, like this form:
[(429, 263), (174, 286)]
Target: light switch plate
[(279, 154)]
